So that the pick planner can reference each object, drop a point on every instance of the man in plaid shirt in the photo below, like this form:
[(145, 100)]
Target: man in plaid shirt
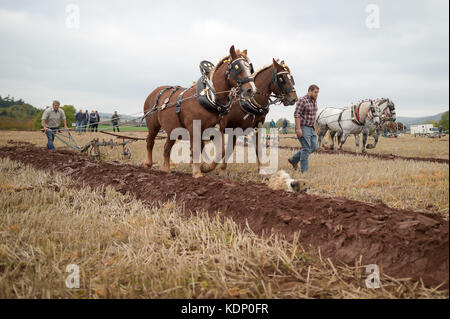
[(305, 116)]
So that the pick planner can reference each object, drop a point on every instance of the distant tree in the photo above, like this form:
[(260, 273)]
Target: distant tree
[(435, 124), (69, 111), (444, 121), (9, 101), (37, 121)]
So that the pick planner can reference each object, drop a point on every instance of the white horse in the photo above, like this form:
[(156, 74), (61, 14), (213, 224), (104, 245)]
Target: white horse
[(387, 109), (346, 121)]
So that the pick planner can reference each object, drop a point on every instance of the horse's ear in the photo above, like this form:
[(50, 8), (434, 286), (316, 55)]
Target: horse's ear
[(244, 52), (276, 65), (282, 62), (233, 53)]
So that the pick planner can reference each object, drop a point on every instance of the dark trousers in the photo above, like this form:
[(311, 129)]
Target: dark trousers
[(116, 126), (93, 127)]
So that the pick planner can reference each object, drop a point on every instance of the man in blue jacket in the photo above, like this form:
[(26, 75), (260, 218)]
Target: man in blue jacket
[(79, 121)]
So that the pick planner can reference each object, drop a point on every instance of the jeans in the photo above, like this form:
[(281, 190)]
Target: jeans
[(116, 126), (84, 128), (309, 145), (78, 128), (51, 138)]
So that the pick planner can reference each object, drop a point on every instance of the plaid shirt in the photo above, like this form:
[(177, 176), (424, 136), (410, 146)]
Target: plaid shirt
[(306, 109)]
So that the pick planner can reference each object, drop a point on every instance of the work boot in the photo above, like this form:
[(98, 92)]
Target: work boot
[(294, 166)]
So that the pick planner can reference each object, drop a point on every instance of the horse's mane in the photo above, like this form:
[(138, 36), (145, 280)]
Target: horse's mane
[(224, 60), (270, 65), (262, 69), (381, 101)]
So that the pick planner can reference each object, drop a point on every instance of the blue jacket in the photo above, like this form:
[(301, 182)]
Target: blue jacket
[(79, 117)]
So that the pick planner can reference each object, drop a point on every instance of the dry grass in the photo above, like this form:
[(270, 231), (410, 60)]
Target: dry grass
[(399, 184), (127, 250), (405, 145)]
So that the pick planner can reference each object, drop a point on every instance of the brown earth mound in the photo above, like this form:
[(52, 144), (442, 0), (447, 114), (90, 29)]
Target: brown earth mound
[(403, 243), (380, 156)]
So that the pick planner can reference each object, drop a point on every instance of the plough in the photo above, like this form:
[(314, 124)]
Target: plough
[(93, 147)]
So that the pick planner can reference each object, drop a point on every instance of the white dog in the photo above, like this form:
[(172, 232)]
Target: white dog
[(282, 181)]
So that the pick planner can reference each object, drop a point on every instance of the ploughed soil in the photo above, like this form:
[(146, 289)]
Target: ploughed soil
[(403, 243), (380, 156)]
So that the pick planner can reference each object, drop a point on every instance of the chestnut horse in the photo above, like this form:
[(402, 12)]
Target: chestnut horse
[(223, 80), (272, 80)]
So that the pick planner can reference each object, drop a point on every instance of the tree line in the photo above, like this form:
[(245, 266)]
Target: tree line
[(19, 115)]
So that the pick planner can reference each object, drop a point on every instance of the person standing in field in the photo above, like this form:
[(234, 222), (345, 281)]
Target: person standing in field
[(115, 121), (92, 121), (272, 124), (51, 120), (305, 116), (85, 121), (98, 120), (79, 121), (285, 125)]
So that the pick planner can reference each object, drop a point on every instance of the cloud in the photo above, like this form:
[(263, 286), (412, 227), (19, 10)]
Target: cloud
[(123, 50)]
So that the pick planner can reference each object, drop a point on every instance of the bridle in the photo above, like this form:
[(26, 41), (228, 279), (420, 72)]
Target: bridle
[(389, 111), (279, 80), (235, 68)]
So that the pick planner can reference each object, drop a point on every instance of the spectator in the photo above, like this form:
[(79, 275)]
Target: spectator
[(272, 124), (92, 121), (85, 121), (51, 120), (79, 121), (98, 120), (115, 121), (285, 125)]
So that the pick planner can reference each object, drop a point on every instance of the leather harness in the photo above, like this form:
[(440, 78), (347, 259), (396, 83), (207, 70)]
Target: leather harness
[(253, 107)]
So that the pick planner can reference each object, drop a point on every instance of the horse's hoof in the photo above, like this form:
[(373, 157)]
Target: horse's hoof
[(147, 165), (198, 175), (222, 173)]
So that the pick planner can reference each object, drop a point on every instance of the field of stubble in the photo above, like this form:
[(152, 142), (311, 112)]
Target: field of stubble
[(129, 250)]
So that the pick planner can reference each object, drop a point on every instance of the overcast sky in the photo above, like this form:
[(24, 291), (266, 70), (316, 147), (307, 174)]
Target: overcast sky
[(122, 50)]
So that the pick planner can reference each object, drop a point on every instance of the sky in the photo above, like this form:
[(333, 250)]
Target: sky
[(109, 55)]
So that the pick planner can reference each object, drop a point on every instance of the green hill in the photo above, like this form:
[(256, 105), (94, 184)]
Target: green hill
[(16, 115)]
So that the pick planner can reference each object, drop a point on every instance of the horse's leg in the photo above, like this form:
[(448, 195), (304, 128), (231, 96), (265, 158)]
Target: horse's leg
[(206, 168), (375, 140), (196, 171), (357, 142), (321, 134), (364, 140), (167, 148), (332, 134), (343, 139), (224, 164), (152, 132)]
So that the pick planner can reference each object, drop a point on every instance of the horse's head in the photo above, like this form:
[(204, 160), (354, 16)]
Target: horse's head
[(239, 73), (387, 109), (374, 114), (283, 83)]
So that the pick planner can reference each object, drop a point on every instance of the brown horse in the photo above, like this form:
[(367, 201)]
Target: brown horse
[(393, 127), (232, 71), (273, 79)]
